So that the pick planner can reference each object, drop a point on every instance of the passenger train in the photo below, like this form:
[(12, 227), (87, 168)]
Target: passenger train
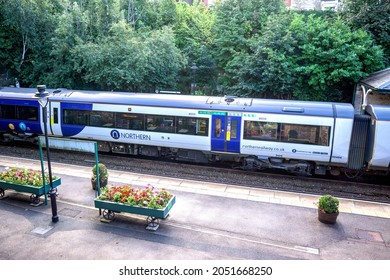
[(300, 137)]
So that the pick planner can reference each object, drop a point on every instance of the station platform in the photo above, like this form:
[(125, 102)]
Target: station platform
[(208, 222), (358, 207)]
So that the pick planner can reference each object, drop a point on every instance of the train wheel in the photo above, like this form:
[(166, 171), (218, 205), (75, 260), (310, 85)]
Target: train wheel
[(353, 174), (335, 172)]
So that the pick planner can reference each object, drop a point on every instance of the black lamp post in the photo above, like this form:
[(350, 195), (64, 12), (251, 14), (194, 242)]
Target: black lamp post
[(193, 84), (43, 100)]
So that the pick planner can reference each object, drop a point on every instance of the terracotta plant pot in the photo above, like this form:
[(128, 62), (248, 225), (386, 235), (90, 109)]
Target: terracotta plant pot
[(327, 218), (103, 183)]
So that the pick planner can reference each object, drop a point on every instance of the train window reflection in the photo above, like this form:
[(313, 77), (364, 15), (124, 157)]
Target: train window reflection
[(217, 127), (266, 131), (27, 113), (192, 126), (158, 123), (233, 129), (283, 132), (76, 117), (130, 121), (7, 112), (101, 119)]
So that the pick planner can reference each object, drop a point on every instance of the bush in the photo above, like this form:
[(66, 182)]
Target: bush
[(329, 204), (103, 172)]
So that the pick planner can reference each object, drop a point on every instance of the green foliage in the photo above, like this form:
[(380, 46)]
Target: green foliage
[(103, 172), (151, 14), (193, 35), (373, 17), (311, 57), (125, 60), (248, 48), (329, 204), (30, 26), (237, 23)]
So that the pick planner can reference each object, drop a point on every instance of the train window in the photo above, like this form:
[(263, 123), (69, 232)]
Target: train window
[(305, 134), (55, 115), (192, 126), (7, 112), (130, 121), (233, 129), (69, 116), (202, 127), (101, 119), (82, 118), (159, 123), (324, 135), (27, 113), (75, 117), (283, 132), (255, 130), (217, 127)]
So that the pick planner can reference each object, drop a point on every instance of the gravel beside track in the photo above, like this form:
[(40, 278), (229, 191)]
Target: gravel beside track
[(285, 182)]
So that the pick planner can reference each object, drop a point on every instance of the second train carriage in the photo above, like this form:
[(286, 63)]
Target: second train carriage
[(299, 137)]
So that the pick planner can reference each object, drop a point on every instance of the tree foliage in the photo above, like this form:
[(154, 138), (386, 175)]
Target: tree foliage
[(372, 16), (309, 57), (30, 25), (237, 23), (249, 48), (127, 61), (193, 35)]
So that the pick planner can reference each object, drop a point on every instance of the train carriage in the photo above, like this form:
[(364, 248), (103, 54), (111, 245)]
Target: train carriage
[(299, 137), (377, 149)]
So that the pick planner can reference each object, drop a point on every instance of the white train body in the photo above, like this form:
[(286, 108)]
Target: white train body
[(299, 137)]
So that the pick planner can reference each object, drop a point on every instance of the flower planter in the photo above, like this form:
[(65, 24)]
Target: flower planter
[(110, 208), (36, 191)]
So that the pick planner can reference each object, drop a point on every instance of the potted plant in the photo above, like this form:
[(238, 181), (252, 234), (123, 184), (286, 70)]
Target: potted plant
[(103, 176), (328, 209)]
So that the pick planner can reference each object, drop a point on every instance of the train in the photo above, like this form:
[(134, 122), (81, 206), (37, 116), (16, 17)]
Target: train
[(300, 137)]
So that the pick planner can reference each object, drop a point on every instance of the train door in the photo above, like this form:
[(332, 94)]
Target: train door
[(225, 135), (54, 119)]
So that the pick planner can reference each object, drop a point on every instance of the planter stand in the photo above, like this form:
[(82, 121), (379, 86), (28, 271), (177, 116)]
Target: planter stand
[(153, 215), (36, 192)]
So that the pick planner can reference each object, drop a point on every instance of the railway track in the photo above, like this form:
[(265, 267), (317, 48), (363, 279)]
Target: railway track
[(371, 189)]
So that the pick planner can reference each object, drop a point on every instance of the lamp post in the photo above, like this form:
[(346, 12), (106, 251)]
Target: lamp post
[(193, 84), (43, 100)]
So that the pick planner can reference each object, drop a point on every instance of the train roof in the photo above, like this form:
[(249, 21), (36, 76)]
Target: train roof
[(379, 112), (225, 103)]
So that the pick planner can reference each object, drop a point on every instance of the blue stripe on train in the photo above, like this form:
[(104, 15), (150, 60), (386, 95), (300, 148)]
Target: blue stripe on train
[(72, 130)]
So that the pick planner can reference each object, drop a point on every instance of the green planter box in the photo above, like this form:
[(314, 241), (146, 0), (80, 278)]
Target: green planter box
[(36, 191), (150, 212)]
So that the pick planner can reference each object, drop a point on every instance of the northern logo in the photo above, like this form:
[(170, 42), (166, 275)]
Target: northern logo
[(115, 134)]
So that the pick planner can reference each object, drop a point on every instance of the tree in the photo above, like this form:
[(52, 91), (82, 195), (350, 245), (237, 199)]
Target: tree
[(236, 24), (32, 23), (150, 14), (193, 35), (310, 58), (268, 71), (372, 16), (127, 61)]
